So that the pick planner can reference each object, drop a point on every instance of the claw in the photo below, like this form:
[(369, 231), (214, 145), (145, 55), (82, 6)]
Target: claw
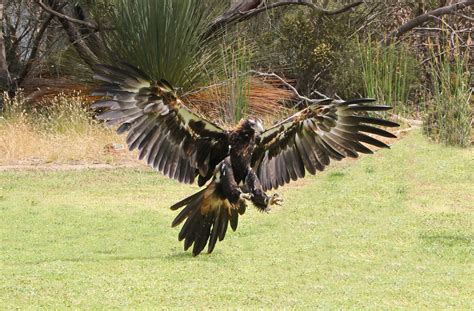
[(275, 200), (278, 202), (245, 196)]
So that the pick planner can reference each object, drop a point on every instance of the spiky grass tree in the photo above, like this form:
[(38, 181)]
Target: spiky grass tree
[(163, 38)]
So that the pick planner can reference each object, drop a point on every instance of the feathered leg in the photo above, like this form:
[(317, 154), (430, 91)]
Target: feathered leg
[(258, 197)]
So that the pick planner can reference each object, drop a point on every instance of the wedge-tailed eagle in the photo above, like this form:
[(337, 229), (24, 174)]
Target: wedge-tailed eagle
[(233, 166)]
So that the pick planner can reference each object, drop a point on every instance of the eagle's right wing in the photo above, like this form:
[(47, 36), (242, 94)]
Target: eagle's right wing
[(171, 138)]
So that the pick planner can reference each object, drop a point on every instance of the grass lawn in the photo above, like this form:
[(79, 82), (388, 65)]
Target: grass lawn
[(391, 230)]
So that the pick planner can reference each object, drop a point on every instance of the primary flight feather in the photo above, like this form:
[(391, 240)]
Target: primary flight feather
[(233, 166)]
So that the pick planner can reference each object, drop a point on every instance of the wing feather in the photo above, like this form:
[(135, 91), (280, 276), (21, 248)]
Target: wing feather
[(171, 138), (308, 140)]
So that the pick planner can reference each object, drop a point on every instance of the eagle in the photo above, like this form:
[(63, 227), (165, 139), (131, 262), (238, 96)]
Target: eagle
[(233, 166)]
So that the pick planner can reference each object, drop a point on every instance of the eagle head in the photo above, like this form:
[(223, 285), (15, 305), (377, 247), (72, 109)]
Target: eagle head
[(251, 125)]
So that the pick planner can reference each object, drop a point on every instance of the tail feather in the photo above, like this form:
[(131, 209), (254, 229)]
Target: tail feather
[(186, 201), (206, 216), (203, 232), (234, 219), (215, 231), (224, 225), (191, 207)]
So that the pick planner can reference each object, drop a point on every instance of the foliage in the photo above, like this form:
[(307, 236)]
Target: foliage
[(235, 105), (313, 50), (163, 38), (389, 73), (336, 55), (101, 239), (450, 107)]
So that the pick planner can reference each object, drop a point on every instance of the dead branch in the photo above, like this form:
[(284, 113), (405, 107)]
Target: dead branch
[(471, 19), (63, 16), (242, 16), (77, 40), (248, 14), (421, 19)]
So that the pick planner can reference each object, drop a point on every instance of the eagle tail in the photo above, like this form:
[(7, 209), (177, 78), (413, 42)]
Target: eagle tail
[(206, 216)]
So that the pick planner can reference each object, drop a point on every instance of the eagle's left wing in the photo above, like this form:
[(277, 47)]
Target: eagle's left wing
[(308, 140)]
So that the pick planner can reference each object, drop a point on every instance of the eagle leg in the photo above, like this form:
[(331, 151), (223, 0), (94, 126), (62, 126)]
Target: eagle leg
[(258, 197)]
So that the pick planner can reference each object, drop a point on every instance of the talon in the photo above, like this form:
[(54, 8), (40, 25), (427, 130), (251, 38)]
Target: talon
[(275, 200), (245, 196)]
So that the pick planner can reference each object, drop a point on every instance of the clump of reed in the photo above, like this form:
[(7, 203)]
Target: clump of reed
[(449, 104), (389, 73)]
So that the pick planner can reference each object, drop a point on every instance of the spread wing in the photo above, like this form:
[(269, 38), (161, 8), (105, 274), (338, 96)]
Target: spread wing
[(309, 139), (170, 137)]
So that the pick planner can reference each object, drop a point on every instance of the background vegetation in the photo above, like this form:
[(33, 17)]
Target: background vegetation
[(425, 74)]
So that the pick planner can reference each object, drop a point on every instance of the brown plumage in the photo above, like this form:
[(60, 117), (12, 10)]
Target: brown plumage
[(236, 165)]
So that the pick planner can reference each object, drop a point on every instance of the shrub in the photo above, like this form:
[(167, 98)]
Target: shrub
[(60, 129), (315, 51), (448, 118)]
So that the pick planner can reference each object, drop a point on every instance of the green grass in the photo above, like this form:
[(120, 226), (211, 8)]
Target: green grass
[(394, 230)]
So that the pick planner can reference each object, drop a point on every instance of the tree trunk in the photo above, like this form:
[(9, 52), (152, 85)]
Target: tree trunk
[(4, 74)]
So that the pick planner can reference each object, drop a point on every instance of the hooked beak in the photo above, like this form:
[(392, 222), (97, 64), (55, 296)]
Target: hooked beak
[(259, 127)]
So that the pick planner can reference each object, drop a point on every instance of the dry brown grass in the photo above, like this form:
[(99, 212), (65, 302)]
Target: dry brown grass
[(265, 100), (62, 132), (60, 128), (22, 143)]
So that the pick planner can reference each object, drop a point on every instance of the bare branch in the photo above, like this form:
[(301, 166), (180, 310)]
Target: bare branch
[(34, 50), (421, 19), (66, 17), (78, 41), (242, 16), (307, 3), (465, 16)]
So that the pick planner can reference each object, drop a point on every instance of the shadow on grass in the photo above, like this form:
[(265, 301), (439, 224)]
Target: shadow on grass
[(174, 257), (447, 239)]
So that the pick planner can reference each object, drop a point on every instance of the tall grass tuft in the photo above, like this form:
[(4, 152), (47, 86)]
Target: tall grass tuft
[(236, 105), (388, 73), (449, 115), (163, 38)]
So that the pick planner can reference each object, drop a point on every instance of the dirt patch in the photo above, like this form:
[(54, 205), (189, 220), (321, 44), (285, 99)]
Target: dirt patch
[(70, 167)]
